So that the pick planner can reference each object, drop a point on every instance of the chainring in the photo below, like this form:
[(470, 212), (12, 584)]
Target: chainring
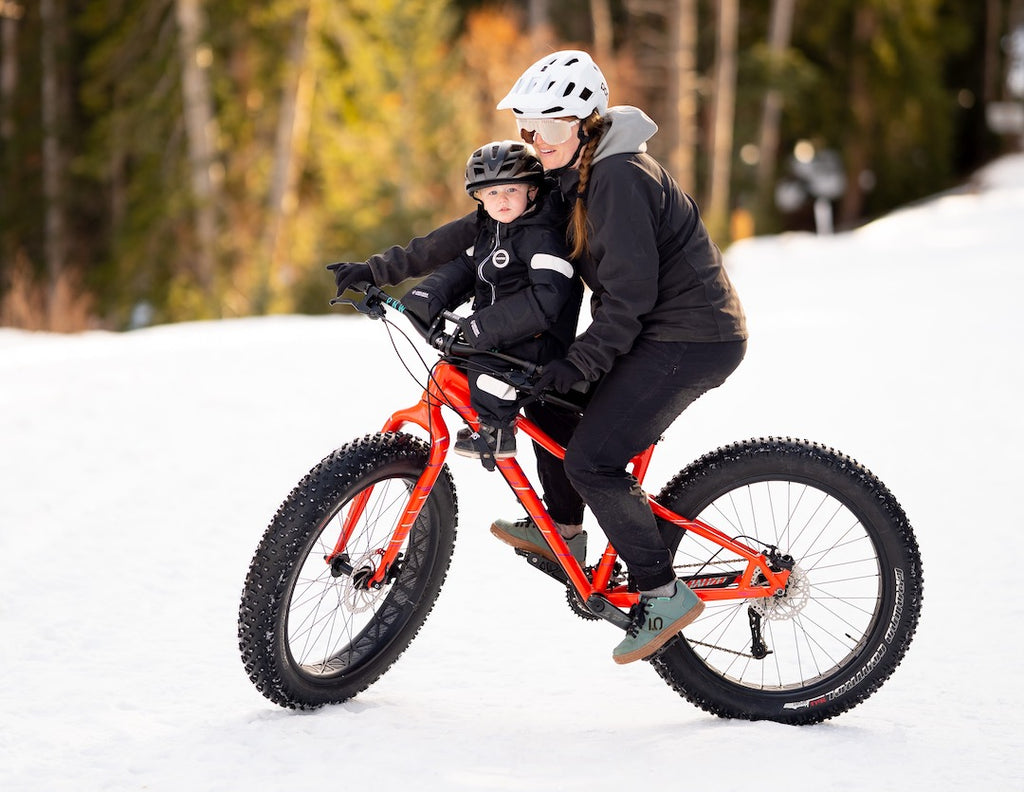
[(577, 606)]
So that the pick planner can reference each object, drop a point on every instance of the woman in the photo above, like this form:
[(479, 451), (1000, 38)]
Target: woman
[(667, 327)]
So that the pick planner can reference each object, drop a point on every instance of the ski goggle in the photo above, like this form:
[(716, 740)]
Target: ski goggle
[(552, 130)]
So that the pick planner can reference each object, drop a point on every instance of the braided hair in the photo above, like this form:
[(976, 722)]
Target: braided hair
[(593, 129)]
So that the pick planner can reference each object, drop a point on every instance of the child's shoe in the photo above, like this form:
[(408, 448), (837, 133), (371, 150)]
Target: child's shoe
[(501, 440)]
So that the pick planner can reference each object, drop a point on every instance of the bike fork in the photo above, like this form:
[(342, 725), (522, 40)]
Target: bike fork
[(426, 414)]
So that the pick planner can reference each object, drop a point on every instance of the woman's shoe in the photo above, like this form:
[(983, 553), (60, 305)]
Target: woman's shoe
[(657, 620), (525, 535)]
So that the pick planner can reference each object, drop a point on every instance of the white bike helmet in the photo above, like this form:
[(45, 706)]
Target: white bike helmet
[(566, 83)]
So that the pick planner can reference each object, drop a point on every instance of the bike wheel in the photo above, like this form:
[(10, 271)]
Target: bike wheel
[(309, 637), (852, 604)]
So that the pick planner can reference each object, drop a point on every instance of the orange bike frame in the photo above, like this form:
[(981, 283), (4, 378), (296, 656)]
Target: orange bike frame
[(448, 386)]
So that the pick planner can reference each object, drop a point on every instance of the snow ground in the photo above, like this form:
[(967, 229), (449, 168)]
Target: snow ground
[(138, 471)]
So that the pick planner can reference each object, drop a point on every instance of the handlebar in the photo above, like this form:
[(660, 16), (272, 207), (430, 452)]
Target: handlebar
[(373, 302)]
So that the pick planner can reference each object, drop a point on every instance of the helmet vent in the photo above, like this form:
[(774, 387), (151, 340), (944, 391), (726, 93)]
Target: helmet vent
[(569, 89), (502, 162)]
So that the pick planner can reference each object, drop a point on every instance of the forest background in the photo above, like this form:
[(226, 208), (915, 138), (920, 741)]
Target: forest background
[(171, 160)]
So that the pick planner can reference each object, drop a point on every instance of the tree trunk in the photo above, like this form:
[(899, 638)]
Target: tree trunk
[(53, 42), (601, 22), (10, 13), (541, 36), (779, 34), (682, 89), (724, 116), (200, 130), (292, 131), (857, 148), (991, 68)]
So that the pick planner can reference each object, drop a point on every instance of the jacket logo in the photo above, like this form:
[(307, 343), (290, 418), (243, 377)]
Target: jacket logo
[(500, 258)]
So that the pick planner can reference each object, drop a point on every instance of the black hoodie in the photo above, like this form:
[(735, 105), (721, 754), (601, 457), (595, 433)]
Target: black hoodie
[(517, 273), (653, 269)]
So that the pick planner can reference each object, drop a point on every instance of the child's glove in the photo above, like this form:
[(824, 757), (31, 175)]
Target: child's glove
[(475, 336), (347, 273)]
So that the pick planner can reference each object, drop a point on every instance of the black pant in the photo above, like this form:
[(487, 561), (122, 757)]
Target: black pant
[(496, 402), (631, 406)]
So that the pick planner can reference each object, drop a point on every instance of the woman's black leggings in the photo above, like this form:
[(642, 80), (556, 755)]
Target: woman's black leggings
[(630, 408)]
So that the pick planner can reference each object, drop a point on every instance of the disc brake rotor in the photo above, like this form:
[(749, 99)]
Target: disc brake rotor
[(354, 593), (790, 603)]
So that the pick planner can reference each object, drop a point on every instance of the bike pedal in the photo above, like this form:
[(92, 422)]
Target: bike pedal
[(549, 568)]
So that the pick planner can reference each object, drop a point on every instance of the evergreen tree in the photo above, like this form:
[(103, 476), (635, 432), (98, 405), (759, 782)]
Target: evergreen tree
[(208, 159), (136, 154), (394, 122)]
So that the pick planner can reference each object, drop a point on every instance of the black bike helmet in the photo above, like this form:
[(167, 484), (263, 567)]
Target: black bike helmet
[(501, 162)]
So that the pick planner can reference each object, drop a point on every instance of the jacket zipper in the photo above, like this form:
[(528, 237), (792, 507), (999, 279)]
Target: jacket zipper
[(480, 268)]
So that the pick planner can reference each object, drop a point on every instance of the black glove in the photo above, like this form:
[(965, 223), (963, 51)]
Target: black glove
[(559, 375), (346, 273), (423, 304), (474, 334)]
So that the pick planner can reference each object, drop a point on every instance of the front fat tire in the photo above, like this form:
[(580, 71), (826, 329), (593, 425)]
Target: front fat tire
[(308, 638), (720, 488)]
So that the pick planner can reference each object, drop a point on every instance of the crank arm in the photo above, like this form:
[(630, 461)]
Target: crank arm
[(549, 568)]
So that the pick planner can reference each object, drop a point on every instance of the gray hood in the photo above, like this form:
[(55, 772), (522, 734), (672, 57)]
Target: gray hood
[(630, 130)]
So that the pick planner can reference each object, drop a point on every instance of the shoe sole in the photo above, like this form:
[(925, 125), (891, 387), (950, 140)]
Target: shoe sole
[(477, 455), (661, 638), (522, 544)]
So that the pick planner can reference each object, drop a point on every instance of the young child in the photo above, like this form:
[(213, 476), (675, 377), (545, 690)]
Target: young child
[(521, 281)]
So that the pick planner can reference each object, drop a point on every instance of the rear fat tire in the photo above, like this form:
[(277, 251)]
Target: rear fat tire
[(309, 639), (866, 578)]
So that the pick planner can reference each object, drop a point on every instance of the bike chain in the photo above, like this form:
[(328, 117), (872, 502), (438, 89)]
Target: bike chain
[(720, 648), (705, 563)]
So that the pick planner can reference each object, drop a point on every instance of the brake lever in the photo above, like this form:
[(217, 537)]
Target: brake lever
[(367, 304)]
